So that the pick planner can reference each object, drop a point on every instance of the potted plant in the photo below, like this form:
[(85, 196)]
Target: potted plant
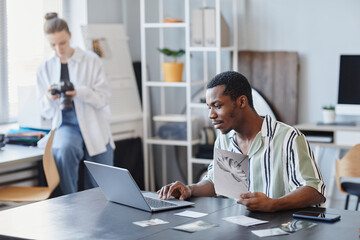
[(172, 70), (328, 112)]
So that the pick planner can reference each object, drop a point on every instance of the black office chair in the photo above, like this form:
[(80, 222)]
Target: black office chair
[(348, 174)]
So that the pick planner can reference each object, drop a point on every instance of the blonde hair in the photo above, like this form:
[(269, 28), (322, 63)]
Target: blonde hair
[(54, 24)]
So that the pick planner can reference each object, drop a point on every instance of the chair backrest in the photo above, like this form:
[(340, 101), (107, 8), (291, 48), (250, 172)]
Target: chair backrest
[(348, 166), (50, 169)]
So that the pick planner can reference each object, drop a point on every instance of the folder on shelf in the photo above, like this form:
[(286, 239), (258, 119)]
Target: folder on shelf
[(210, 29), (197, 22)]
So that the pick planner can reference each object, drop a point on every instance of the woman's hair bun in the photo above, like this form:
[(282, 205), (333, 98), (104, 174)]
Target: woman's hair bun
[(51, 15)]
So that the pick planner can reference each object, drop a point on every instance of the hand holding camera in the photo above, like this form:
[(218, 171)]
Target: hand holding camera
[(2, 140), (66, 91)]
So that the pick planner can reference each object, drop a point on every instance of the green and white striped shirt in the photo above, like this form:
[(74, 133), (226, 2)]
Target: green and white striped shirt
[(280, 160)]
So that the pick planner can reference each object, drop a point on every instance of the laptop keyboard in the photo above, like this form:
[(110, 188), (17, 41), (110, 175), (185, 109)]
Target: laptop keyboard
[(157, 203)]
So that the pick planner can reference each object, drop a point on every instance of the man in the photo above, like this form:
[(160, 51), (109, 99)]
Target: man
[(282, 171)]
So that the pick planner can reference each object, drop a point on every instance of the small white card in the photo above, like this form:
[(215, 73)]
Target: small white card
[(151, 222), (269, 232), (244, 220), (191, 214)]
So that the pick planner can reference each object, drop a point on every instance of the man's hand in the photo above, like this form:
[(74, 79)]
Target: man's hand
[(256, 201), (302, 197), (176, 189)]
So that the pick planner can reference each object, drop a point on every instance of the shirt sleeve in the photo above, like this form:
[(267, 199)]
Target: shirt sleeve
[(48, 108), (98, 92), (301, 166)]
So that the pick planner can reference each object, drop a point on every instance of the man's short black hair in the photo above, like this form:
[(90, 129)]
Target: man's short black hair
[(235, 83)]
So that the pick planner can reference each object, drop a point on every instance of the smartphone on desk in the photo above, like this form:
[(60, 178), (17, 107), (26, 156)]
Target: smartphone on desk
[(327, 217)]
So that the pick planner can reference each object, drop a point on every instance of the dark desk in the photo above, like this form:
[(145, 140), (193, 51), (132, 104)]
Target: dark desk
[(87, 215)]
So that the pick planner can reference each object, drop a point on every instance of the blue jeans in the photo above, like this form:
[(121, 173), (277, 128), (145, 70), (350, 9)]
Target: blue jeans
[(69, 150)]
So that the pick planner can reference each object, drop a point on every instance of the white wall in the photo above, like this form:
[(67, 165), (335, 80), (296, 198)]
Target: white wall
[(320, 31), (75, 14)]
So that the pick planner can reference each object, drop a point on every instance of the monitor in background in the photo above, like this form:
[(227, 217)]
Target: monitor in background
[(349, 86)]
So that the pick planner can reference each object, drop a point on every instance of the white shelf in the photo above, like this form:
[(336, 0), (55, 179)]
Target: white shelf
[(198, 105), (201, 160), (210, 49), (172, 84), (159, 141), (196, 83), (165, 84), (189, 84), (164, 25)]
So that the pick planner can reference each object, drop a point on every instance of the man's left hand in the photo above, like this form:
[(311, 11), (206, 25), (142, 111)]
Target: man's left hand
[(256, 201)]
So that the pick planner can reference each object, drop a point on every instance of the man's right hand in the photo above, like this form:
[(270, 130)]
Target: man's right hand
[(176, 189)]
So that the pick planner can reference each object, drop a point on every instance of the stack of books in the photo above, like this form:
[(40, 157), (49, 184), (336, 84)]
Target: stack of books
[(26, 137)]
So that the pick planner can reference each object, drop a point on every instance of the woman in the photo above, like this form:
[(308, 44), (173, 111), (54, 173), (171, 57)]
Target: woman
[(75, 95)]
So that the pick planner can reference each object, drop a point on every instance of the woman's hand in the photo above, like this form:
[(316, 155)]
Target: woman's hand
[(50, 96), (71, 93)]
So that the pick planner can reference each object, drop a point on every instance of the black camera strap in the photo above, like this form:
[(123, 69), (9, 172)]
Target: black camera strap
[(64, 76)]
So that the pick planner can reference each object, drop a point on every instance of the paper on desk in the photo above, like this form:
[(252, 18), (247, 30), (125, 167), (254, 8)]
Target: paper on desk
[(151, 222), (244, 220), (269, 232), (231, 171), (191, 214)]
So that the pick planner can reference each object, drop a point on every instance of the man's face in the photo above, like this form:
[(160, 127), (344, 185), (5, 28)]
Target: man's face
[(222, 110)]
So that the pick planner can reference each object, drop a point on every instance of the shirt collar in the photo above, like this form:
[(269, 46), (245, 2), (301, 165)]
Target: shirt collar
[(268, 126), (77, 56), (267, 130)]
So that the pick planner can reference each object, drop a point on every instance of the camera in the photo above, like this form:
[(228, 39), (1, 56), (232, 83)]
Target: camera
[(2, 140), (66, 100)]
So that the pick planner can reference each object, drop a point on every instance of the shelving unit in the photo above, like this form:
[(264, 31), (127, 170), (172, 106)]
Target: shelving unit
[(188, 83)]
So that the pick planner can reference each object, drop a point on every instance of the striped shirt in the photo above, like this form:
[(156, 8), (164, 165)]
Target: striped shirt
[(280, 160)]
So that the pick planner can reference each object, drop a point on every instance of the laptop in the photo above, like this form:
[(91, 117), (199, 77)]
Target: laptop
[(118, 186)]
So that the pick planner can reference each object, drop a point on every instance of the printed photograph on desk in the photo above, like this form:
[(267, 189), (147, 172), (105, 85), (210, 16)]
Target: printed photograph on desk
[(195, 226), (231, 171), (269, 232), (296, 225)]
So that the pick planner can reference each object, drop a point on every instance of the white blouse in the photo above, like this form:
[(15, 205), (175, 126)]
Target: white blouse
[(91, 101)]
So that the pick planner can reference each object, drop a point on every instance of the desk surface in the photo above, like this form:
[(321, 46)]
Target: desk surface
[(15, 154), (88, 215), (315, 126), (340, 137)]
